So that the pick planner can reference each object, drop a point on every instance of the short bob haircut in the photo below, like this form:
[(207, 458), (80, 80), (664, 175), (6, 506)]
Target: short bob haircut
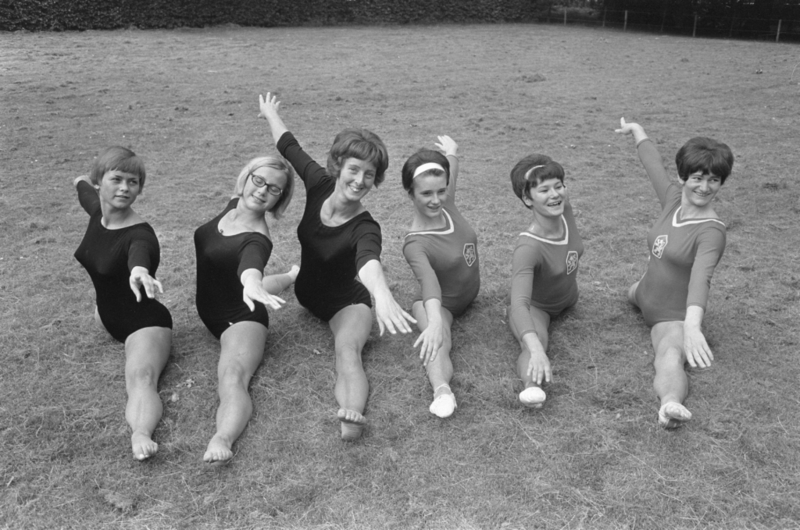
[(705, 155), (274, 162), (523, 179), (424, 156), (361, 144), (120, 159)]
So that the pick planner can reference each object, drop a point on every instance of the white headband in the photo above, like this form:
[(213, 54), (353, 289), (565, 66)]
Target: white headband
[(530, 171), (426, 167)]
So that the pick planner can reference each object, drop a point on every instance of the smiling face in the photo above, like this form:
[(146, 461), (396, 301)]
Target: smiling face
[(263, 198), (547, 198), (118, 190), (699, 189), (355, 179), (428, 193)]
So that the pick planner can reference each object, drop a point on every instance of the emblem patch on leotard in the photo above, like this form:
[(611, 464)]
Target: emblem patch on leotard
[(658, 246), (469, 254), (572, 261)]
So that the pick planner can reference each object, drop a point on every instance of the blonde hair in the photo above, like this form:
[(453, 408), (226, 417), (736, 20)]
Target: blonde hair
[(273, 162)]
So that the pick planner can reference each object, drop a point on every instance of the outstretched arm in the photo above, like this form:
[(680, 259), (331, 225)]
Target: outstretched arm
[(520, 318), (254, 291), (449, 147), (698, 354), (140, 277), (649, 156), (388, 312), (432, 337), (269, 109)]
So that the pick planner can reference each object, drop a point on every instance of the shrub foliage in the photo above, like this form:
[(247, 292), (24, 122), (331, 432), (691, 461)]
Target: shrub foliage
[(57, 15)]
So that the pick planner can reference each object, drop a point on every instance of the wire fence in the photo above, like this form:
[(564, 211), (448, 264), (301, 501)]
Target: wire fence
[(733, 26)]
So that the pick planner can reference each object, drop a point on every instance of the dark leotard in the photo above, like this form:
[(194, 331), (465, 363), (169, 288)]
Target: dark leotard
[(221, 260), (331, 255), (109, 256)]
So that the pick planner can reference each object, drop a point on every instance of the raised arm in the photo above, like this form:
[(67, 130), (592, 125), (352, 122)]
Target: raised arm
[(269, 106), (87, 194), (649, 156), (387, 311), (449, 147)]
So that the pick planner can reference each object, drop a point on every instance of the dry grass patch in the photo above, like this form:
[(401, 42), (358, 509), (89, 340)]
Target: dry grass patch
[(186, 100)]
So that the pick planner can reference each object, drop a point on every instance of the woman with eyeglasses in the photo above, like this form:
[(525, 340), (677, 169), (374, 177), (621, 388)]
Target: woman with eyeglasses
[(686, 243), (120, 252), (232, 292), (340, 268), (544, 269), (442, 250)]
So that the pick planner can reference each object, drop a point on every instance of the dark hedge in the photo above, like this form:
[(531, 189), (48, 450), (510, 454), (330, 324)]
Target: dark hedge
[(59, 15)]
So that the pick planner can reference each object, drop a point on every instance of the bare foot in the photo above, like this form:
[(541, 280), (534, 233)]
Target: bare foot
[(352, 423), (143, 446), (672, 415), (218, 450)]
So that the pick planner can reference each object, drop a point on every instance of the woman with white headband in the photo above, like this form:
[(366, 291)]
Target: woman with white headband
[(442, 250), (544, 270)]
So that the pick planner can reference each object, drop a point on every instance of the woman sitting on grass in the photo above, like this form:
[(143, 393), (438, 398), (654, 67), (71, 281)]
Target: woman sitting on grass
[(232, 252), (442, 250), (686, 243), (340, 253), (120, 252), (544, 270)]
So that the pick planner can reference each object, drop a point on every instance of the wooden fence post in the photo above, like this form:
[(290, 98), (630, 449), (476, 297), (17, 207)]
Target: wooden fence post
[(694, 29), (663, 19), (565, 15), (778, 36), (625, 25), (604, 17)]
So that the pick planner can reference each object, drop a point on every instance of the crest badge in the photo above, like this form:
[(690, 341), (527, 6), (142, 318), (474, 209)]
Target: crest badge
[(470, 254), (659, 245), (572, 261)]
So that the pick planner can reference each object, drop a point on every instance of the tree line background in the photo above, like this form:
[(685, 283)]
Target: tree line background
[(724, 18)]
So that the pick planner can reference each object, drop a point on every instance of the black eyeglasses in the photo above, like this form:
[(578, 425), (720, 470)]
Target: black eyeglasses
[(260, 181)]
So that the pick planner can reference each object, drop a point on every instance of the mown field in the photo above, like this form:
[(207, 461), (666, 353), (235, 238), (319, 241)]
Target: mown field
[(592, 458)]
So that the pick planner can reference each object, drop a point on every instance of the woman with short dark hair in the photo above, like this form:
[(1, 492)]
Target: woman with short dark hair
[(686, 243)]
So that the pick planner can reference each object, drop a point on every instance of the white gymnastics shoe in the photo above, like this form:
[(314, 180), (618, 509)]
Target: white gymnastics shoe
[(532, 397)]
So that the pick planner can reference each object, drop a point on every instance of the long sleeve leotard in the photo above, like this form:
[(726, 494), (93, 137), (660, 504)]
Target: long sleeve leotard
[(331, 256), (445, 262), (221, 260), (544, 274), (109, 256), (683, 253)]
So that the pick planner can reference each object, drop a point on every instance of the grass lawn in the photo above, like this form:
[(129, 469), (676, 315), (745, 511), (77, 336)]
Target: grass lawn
[(592, 458)]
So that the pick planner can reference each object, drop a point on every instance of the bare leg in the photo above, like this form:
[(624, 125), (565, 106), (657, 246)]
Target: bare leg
[(351, 327), (146, 354), (242, 349), (671, 382), (440, 369), (276, 283)]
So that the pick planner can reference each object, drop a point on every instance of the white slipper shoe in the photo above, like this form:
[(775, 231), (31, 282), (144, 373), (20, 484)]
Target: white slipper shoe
[(532, 397)]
